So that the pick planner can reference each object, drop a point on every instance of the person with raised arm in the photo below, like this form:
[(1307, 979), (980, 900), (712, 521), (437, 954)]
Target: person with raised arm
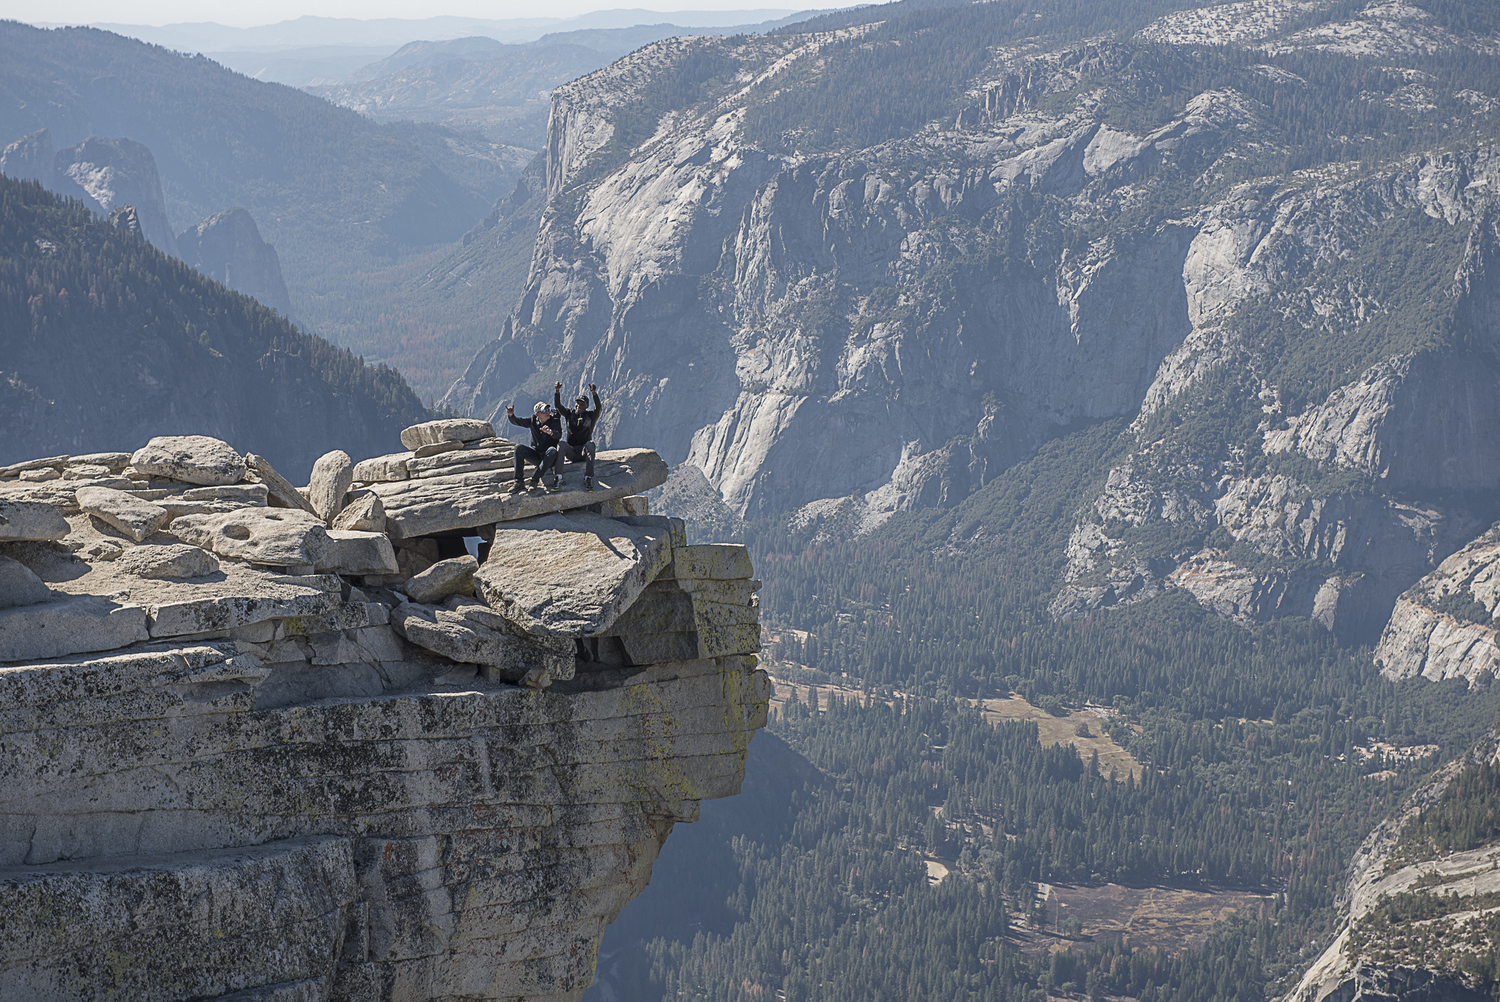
[(546, 433), (579, 445)]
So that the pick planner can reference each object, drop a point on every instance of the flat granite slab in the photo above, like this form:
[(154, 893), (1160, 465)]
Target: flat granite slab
[(572, 574), (431, 505)]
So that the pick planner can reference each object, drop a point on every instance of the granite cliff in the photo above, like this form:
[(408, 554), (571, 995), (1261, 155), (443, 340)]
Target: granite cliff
[(292, 743), (827, 312)]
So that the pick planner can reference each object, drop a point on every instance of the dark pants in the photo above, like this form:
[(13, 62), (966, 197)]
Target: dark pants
[(577, 454), (543, 460)]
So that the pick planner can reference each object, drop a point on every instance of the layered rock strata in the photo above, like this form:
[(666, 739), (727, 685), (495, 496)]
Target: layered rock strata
[(242, 760)]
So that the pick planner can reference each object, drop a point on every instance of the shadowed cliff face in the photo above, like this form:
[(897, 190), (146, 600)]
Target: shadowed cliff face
[(901, 322), (227, 248)]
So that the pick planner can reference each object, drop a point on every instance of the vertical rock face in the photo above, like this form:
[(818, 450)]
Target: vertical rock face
[(227, 247), (29, 158), (1444, 626), (291, 780), (111, 173)]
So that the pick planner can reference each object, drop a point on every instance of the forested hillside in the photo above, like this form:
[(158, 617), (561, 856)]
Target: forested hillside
[(105, 342), (342, 199), (1267, 755)]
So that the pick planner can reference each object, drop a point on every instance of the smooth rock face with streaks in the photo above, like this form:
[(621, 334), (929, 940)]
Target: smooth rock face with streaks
[(1444, 626), (369, 798)]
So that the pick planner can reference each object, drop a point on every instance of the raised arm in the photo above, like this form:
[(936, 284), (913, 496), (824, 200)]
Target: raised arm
[(557, 404), (598, 405)]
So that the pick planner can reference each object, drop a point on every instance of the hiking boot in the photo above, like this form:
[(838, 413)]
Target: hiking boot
[(588, 483), (555, 486), (536, 482), (517, 485)]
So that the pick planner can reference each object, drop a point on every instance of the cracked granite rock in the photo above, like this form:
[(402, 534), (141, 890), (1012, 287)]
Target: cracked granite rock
[(227, 775)]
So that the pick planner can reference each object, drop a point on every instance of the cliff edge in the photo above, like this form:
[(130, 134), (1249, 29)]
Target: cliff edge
[(400, 733)]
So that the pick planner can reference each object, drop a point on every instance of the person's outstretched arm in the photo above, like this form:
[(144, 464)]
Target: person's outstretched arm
[(598, 404), (557, 404)]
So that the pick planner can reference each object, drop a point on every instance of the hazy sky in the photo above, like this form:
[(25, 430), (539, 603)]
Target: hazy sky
[(244, 13)]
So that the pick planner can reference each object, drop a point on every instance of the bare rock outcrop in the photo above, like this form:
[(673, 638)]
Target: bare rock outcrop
[(113, 173), (1444, 626), (366, 796), (228, 248)]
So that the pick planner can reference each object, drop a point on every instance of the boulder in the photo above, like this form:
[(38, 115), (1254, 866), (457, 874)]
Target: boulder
[(280, 491), (570, 575), (172, 560), (276, 537), (49, 462), (465, 460), (714, 561), (444, 578), (87, 471), (19, 586), (363, 511), (634, 505), (30, 520), (112, 461), (382, 468), (332, 476), (135, 518), (436, 449), (430, 505), (245, 495), (362, 552), (71, 626), (446, 430), (192, 459), (465, 630)]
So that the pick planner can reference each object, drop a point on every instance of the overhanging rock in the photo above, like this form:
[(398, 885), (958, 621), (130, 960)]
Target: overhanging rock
[(236, 761), (572, 574), (432, 505)]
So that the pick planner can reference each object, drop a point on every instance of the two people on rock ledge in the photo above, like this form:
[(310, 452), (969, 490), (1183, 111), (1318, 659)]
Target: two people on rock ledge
[(548, 448)]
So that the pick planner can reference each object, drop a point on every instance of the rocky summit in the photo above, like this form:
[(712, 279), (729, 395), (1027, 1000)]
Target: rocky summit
[(396, 734)]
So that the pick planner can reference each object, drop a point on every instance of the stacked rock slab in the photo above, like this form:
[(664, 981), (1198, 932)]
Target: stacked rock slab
[(239, 760)]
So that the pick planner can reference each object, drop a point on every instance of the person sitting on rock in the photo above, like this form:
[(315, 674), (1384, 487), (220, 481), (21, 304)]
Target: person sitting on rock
[(546, 432), (579, 445)]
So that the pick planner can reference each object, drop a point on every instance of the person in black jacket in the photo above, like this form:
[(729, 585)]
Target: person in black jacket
[(546, 433), (579, 445)]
